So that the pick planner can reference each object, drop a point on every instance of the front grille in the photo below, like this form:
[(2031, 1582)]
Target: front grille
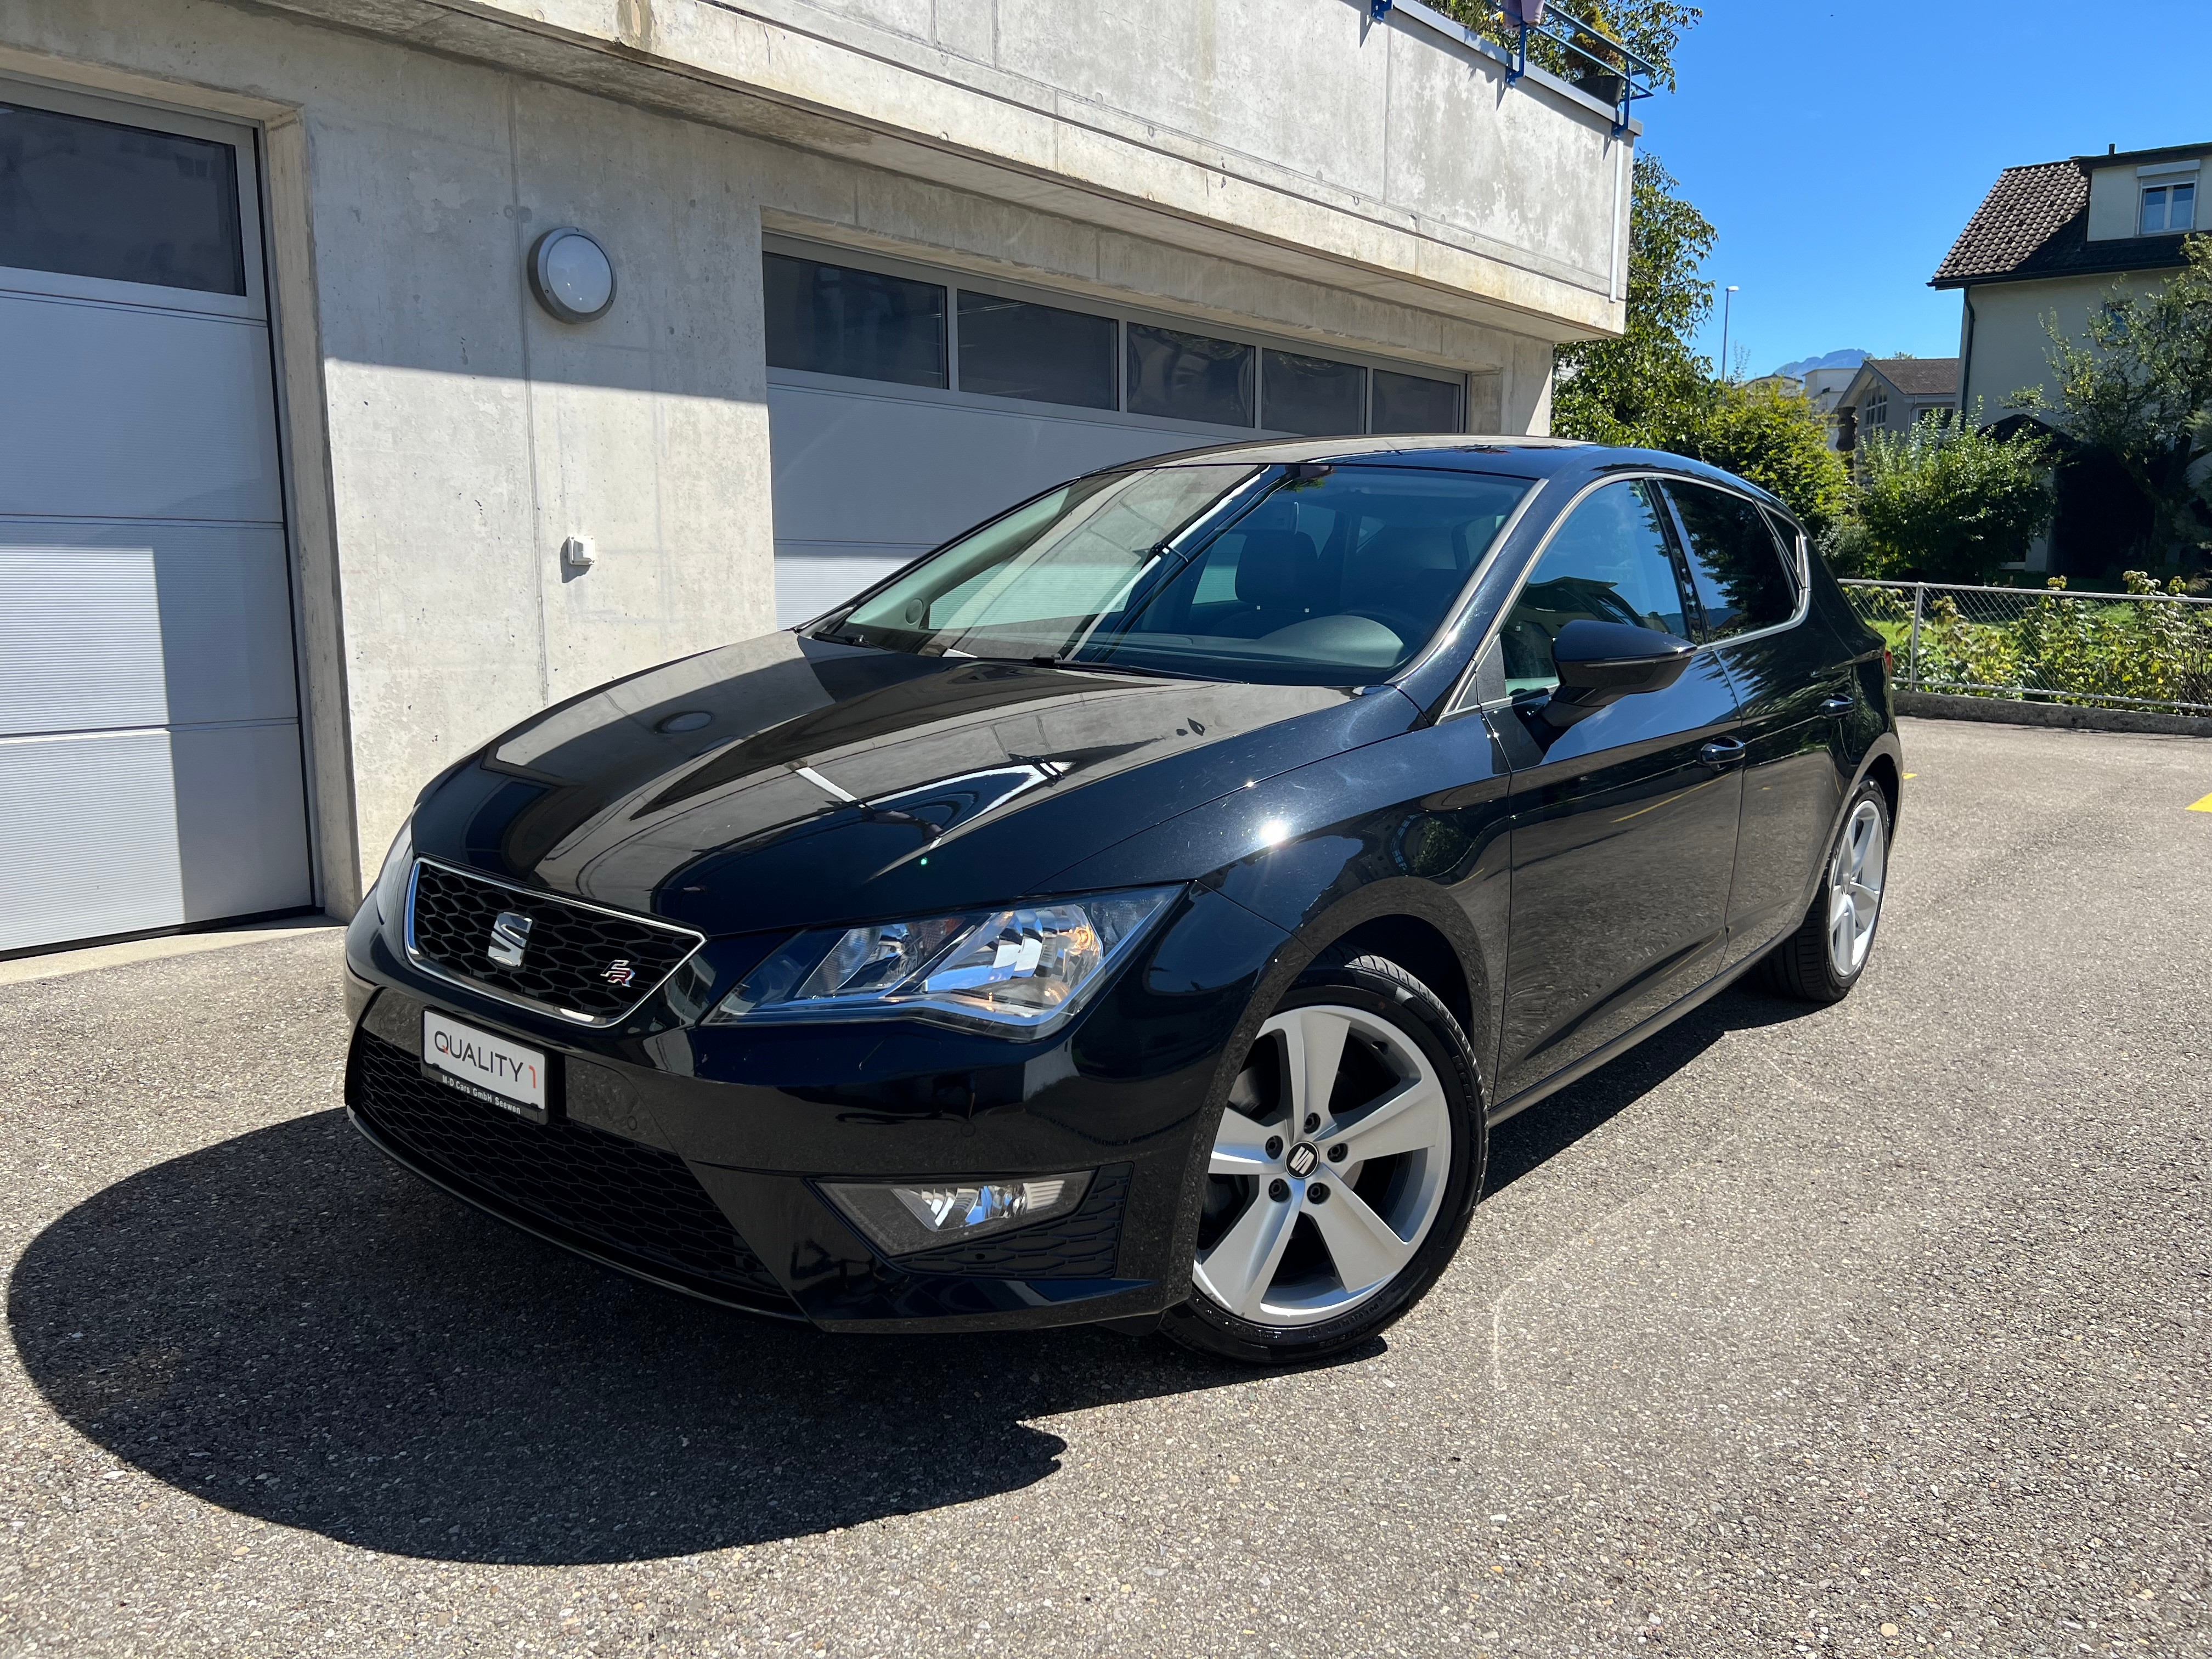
[(1081, 1244), (637, 1204), (568, 955)]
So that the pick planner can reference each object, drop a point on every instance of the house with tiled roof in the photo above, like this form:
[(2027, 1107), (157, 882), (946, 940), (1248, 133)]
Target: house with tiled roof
[(2048, 243), (1888, 394)]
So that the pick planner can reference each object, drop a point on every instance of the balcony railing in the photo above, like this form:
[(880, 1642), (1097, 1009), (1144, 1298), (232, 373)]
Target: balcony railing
[(1579, 53)]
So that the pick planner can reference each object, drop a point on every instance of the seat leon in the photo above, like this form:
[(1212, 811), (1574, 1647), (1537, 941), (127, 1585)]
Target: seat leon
[(1140, 909)]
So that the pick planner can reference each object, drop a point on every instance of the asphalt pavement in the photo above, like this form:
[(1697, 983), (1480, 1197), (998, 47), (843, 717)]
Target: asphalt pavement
[(1882, 1328)]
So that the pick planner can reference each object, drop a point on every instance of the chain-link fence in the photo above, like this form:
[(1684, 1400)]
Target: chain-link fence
[(2151, 651)]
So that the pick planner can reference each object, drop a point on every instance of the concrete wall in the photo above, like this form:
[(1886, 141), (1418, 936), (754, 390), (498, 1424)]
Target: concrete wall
[(445, 434)]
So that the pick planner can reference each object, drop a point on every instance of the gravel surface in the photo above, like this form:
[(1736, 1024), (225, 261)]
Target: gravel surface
[(1877, 1329)]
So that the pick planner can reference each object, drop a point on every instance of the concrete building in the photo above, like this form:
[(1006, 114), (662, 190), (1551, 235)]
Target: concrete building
[(310, 492), (2048, 244)]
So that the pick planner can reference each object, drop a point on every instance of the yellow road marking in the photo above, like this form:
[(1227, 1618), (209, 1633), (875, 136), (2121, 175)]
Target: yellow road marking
[(1909, 776), (2204, 806)]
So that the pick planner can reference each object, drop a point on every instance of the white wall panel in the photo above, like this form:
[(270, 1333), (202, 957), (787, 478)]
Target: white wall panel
[(88, 830), (241, 820), (110, 624), (866, 481), (80, 637), (122, 412)]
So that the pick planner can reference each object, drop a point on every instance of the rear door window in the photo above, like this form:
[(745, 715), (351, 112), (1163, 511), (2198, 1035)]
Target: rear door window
[(1612, 562), (1735, 563)]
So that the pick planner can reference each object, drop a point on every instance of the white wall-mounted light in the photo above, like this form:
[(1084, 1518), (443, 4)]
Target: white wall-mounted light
[(571, 275)]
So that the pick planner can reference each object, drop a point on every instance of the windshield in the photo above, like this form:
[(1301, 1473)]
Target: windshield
[(1300, 575)]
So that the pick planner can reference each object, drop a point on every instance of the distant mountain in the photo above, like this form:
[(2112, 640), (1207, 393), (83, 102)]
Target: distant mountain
[(1805, 365)]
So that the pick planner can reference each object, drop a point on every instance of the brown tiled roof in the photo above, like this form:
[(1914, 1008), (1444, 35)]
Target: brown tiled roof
[(2035, 223), (1919, 377)]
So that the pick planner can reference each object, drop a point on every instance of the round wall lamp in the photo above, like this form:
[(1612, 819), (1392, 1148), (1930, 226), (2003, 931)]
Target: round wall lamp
[(571, 275)]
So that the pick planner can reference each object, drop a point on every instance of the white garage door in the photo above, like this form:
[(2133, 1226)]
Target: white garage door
[(906, 404), (150, 772)]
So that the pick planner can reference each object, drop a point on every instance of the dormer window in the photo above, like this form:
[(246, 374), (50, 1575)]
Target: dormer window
[(2169, 208), (1875, 412)]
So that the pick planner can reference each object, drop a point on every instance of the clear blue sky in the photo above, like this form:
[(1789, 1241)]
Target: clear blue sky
[(1840, 147)]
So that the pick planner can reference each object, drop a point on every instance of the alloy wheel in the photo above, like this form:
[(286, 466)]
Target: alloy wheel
[(1327, 1170), (1854, 881)]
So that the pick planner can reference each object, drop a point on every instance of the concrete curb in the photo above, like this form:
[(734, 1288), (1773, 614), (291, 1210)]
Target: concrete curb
[(2005, 712)]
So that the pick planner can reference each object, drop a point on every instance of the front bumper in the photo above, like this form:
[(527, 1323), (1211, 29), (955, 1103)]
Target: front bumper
[(692, 1156)]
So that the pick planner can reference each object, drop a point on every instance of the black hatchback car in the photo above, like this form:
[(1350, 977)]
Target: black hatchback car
[(1139, 909)]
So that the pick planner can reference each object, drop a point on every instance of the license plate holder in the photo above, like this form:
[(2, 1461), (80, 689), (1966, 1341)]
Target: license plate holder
[(486, 1067)]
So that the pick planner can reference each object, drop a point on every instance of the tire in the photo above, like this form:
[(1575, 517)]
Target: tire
[(1812, 965), (1405, 1084)]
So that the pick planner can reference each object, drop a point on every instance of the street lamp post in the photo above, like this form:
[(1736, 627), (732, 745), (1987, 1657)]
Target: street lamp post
[(1728, 306)]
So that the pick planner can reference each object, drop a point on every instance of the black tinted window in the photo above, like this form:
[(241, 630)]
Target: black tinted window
[(1611, 562), (833, 319), (1315, 396), (1013, 349), (91, 198), (1734, 563), (1413, 403), (1189, 377)]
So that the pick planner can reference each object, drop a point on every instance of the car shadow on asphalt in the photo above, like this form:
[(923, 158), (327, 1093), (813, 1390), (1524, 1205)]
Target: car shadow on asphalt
[(285, 1325), (1530, 1139)]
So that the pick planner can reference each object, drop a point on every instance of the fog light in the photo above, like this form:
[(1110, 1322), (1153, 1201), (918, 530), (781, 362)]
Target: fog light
[(900, 1219)]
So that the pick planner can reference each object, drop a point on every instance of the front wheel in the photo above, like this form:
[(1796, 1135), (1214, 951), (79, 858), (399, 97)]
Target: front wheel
[(1342, 1174), (1824, 958)]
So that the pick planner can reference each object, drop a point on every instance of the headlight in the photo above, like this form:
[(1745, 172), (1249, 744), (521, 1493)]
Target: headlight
[(1019, 971), (390, 893)]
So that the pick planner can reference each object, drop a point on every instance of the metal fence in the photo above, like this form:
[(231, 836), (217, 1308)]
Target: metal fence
[(2151, 651)]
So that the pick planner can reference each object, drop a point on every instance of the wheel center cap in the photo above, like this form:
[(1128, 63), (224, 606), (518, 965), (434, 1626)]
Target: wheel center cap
[(1302, 1159)]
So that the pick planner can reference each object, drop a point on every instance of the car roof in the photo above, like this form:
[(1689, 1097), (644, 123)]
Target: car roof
[(1517, 456)]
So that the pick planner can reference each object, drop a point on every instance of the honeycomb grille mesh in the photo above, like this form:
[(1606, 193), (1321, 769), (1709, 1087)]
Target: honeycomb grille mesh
[(636, 1203), (568, 953)]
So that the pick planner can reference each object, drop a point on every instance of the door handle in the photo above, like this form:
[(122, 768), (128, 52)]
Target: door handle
[(1839, 704), (1722, 751)]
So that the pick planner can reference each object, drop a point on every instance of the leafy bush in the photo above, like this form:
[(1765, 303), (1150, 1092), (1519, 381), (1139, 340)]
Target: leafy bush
[(2156, 650), (1778, 441), (1949, 502)]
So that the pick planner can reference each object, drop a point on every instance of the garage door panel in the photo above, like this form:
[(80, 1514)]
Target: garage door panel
[(89, 826), (124, 411), (193, 622), (860, 468), (241, 820), (80, 639)]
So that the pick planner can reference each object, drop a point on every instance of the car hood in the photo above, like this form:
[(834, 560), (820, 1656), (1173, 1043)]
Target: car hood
[(787, 782)]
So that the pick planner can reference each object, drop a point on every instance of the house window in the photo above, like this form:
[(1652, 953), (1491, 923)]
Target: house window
[(1315, 396), (1189, 377), (1875, 412), (1015, 349), (2168, 208)]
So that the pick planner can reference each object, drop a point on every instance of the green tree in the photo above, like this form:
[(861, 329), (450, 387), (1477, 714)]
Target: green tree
[(1948, 502), (2140, 388), (1652, 29), (1778, 441), (1649, 385)]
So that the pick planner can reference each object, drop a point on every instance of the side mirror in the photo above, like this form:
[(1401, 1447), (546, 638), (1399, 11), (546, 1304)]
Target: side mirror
[(1600, 663)]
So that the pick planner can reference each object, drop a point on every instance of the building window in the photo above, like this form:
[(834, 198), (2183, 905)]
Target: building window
[(1015, 349), (1875, 412), (1314, 397), (94, 198), (832, 320), (1189, 377), (2168, 208), (1412, 403)]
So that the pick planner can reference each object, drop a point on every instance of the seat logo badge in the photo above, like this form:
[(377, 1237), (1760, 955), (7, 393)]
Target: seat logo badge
[(510, 937), (619, 972), (1302, 1159)]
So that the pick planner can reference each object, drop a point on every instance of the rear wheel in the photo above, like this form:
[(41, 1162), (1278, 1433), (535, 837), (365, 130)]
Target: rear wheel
[(1824, 958), (1342, 1173)]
